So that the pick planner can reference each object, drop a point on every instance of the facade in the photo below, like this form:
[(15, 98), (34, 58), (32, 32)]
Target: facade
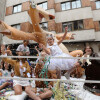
[(2, 13), (81, 16)]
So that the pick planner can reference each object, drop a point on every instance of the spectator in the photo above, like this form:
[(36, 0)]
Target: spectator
[(5, 71), (24, 48), (92, 70), (8, 51)]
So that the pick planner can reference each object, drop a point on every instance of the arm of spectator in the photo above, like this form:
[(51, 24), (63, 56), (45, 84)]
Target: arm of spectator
[(9, 52), (37, 50), (47, 50)]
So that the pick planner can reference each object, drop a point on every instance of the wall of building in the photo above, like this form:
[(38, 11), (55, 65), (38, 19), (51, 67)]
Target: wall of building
[(2, 13), (15, 19), (72, 15), (14, 2), (88, 13)]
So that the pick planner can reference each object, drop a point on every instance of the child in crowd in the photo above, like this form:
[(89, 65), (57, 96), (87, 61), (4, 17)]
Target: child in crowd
[(5, 71)]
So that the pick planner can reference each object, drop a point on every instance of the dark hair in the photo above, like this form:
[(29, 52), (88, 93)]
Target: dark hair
[(90, 48), (9, 46), (9, 67)]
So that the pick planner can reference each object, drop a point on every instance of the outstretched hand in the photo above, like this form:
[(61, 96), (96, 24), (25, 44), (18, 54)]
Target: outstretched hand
[(72, 36), (66, 29)]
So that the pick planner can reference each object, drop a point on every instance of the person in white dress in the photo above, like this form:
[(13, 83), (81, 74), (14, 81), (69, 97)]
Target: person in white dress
[(54, 50)]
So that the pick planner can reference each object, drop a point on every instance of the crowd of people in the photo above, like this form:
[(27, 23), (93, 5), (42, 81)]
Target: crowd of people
[(20, 67)]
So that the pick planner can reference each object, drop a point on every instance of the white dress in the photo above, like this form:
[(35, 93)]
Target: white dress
[(62, 64), (21, 82)]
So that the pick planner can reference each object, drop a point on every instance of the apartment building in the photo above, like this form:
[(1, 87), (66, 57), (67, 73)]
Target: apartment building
[(2, 13), (81, 16)]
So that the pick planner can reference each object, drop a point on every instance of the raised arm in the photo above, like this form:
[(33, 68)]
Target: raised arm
[(37, 50), (60, 41), (47, 50)]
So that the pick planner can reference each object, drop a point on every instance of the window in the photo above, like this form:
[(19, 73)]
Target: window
[(17, 8), (17, 26), (73, 26), (44, 25), (43, 5), (74, 4), (69, 25), (66, 6), (97, 4), (71, 5), (78, 3)]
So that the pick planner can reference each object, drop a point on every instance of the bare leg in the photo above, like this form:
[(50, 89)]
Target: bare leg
[(46, 94), (4, 85), (18, 90), (28, 90), (67, 74)]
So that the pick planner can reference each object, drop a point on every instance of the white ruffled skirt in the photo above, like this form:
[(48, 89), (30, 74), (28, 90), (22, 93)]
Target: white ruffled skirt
[(63, 63)]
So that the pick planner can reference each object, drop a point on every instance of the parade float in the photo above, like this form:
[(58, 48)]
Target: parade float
[(62, 91)]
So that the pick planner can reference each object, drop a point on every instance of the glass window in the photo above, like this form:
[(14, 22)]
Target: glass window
[(17, 26), (73, 26), (74, 4), (63, 26), (17, 8), (40, 5), (97, 4), (63, 6), (78, 3), (71, 4), (70, 25), (80, 25), (68, 5), (43, 5), (44, 25)]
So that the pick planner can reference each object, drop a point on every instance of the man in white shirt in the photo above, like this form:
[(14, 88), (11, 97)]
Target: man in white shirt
[(24, 48)]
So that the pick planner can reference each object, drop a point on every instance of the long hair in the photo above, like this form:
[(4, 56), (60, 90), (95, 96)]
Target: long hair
[(91, 50), (9, 67)]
